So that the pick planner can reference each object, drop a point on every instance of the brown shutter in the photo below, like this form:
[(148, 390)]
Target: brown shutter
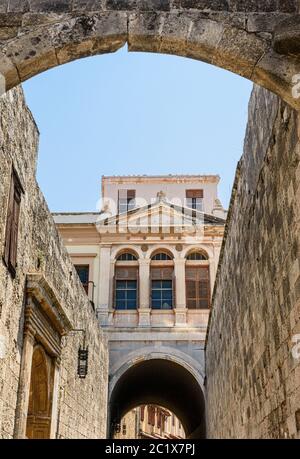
[(159, 416), (204, 288), (9, 219), (151, 415), (127, 272), (155, 273), (130, 194), (142, 412), (194, 193), (14, 231), (191, 293)]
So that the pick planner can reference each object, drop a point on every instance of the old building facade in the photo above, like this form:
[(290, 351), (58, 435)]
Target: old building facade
[(150, 422), (148, 261)]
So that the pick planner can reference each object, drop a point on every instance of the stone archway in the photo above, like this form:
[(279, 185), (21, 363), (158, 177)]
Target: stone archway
[(40, 396), (251, 40), (159, 380)]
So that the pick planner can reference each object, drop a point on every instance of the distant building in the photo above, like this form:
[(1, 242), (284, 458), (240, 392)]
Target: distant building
[(150, 421), (148, 261)]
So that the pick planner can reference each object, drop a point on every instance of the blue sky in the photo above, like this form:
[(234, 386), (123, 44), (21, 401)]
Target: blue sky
[(134, 113)]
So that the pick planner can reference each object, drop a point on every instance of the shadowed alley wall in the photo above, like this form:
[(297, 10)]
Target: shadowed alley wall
[(253, 381)]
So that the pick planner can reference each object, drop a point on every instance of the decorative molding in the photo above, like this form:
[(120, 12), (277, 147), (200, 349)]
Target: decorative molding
[(44, 316)]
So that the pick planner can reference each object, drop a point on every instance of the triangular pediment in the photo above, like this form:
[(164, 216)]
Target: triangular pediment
[(162, 214)]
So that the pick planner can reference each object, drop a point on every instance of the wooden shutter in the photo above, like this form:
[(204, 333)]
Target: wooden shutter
[(14, 231), (191, 293), (9, 219), (194, 193), (159, 273), (191, 287), (126, 272), (204, 288), (130, 194), (12, 223), (159, 418), (142, 412), (151, 415), (197, 287)]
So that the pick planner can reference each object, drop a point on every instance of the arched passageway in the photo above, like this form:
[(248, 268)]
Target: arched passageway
[(160, 382)]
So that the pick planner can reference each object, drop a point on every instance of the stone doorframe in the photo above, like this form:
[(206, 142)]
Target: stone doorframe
[(45, 324)]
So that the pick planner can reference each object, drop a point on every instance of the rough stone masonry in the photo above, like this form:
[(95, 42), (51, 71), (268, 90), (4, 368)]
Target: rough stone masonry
[(253, 378), (255, 39), (82, 403)]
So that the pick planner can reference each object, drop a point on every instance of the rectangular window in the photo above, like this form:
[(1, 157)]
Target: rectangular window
[(162, 287), (126, 294), (83, 273), (162, 294), (126, 200), (197, 287), (12, 223), (194, 199), (126, 288), (151, 415)]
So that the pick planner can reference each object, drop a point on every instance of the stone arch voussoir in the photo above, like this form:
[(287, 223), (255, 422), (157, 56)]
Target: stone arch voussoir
[(47, 37)]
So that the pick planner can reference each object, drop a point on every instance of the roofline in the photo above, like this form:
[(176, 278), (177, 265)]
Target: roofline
[(75, 213), (185, 177), (193, 212)]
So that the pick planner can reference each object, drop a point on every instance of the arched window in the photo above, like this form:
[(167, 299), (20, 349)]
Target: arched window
[(126, 282), (196, 256), (127, 256), (162, 281), (197, 281), (161, 256)]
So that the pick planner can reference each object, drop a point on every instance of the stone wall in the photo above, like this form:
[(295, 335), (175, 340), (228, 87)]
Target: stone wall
[(82, 402), (253, 381)]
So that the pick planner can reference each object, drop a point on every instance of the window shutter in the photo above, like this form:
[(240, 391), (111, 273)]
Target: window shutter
[(155, 273), (142, 413), (194, 193), (191, 294), (14, 231), (197, 287), (204, 288), (159, 416), (9, 219), (127, 272), (130, 194)]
